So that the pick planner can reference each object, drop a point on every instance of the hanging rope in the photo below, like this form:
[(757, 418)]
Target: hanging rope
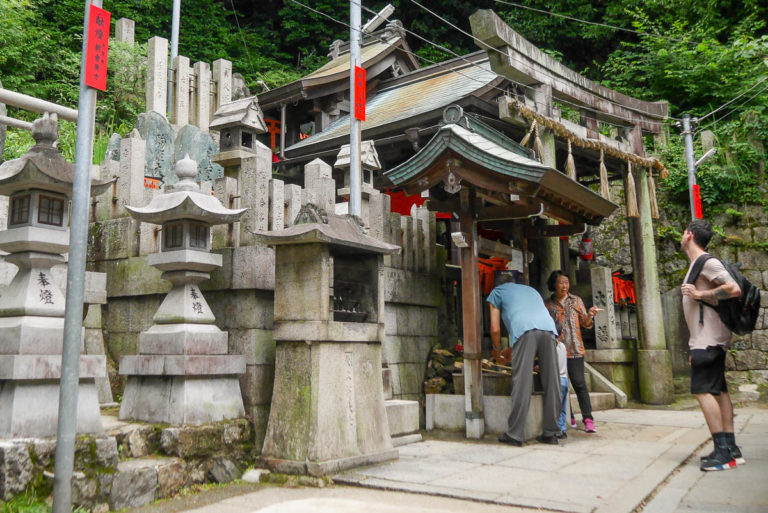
[(605, 188), (652, 195), (631, 194), (527, 137), (537, 143), (570, 165), (561, 131)]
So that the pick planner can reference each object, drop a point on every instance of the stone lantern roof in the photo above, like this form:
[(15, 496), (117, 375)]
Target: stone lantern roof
[(244, 112), (185, 201), (42, 167)]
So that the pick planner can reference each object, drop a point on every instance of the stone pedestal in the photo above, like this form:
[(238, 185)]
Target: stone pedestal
[(602, 297), (328, 402)]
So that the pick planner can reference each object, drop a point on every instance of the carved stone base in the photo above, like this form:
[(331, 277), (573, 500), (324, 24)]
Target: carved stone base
[(30, 409), (182, 399)]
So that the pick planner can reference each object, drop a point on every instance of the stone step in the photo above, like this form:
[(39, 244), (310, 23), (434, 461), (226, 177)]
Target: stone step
[(600, 401), (402, 416)]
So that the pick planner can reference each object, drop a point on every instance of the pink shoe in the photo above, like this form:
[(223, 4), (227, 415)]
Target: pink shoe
[(573, 423), (589, 426)]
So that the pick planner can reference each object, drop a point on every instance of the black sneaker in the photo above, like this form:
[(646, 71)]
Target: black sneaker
[(561, 435), (735, 452), (721, 460), (506, 439), (544, 439)]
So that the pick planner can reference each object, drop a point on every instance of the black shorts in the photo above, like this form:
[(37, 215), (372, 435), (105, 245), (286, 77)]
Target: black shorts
[(708, 371)]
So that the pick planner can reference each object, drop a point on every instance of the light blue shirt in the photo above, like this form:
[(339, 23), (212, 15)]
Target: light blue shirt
[(522, 309)]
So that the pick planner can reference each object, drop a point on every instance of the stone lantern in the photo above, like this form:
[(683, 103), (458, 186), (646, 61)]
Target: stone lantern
[(327, 409), (183, 374), (39, 186), (238, 124)]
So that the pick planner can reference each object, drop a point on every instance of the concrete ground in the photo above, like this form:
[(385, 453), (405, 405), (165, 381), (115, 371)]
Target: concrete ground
[(640, 460)]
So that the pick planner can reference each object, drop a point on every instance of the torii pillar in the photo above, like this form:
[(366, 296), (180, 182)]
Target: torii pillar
[(654, 363)]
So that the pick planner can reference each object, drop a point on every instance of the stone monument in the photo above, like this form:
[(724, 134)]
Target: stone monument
[(183, 374), (39, 186), (328, 401)]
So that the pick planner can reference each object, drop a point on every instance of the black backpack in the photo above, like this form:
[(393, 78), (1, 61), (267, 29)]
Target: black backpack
[(739, 314)]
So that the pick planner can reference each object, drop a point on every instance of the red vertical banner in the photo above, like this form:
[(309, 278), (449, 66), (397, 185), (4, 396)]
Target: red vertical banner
[(697, 212), (97, 51), (359, 93)]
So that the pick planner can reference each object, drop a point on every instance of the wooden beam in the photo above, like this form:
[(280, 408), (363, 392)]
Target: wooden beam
[(553, 230), (494, 248), (514, 211)]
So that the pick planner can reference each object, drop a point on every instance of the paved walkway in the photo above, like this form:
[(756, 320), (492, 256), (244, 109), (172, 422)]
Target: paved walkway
[(640, 460)]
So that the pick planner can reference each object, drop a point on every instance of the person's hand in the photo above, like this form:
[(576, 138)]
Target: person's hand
[(688, 289), (594, 311)]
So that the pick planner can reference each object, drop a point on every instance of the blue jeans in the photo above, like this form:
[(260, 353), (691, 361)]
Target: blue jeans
[(563, 398)]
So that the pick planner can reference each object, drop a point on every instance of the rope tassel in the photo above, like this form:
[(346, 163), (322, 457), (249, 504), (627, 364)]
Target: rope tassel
[(631, 194), (528, 135), (538, 148), (652, 195), (605, 189), (570, 165)]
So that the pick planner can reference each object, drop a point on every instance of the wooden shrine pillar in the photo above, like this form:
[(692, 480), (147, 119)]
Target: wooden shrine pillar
[(471, 320), (654, 363)]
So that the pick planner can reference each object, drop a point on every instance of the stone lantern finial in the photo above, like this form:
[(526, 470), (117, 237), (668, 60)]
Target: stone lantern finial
[(45, 130), (186, 171)]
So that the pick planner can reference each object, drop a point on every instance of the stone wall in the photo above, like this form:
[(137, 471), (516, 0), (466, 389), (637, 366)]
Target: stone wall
[(240, 294)]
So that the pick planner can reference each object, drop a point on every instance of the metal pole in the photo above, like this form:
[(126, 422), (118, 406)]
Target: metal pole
[(355, 201), (174, 51), (689, 160), (73, 311), (36, 105)]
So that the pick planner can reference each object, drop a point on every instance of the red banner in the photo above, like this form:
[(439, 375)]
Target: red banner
[(97, 51), (697, 212), (359, 93)]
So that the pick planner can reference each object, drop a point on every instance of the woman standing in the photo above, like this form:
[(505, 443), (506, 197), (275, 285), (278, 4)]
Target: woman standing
[(571, 315)]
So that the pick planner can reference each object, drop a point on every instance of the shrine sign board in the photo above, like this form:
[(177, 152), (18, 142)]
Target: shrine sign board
[(97, 51), (359, 93)]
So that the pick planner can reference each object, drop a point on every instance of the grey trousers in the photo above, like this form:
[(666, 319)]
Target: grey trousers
[(532, 343)]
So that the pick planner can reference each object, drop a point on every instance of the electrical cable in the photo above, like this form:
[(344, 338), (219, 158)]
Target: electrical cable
[(242, 37), (734, 109), (587, 22), (700, 119)]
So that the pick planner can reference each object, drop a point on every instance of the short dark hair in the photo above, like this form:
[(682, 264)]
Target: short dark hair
[(552, 281), (501, 277), (702, 232)]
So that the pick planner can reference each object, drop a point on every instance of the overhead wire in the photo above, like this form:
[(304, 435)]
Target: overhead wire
[(734, 109), (721, 107), (242, 37)]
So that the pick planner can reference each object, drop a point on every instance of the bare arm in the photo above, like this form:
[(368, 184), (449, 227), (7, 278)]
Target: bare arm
[(495, 327), (726, 288)]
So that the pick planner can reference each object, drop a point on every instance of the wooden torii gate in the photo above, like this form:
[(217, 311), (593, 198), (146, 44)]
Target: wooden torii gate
[(481, 175), (518, 60)]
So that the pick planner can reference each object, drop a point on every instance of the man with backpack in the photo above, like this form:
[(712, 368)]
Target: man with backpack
[(707, 283)]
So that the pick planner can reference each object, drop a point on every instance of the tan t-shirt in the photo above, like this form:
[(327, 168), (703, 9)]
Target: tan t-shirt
[(712, 332)]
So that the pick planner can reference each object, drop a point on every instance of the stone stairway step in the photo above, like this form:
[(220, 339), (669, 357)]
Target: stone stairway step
[(600, 401), (403, 417)]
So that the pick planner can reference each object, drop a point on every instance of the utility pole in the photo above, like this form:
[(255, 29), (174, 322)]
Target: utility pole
[(73, 311), (355, 200), (174, 51), (693, 195)]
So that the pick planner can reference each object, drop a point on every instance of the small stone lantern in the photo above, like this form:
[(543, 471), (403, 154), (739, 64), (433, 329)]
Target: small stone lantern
[(183, 374), (39, 186), (238, 124)]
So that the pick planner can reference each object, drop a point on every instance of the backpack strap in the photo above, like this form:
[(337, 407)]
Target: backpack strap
[(698, 265)]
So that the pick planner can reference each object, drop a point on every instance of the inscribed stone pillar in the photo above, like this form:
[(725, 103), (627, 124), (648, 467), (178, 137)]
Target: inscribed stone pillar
[(222, 77), (276, 205), (253, 183), (124, 30), (654, 362), (292, 203), (318, 179), (202, 104), (130, 179), (602, 297), (181, 97), (157, 75)]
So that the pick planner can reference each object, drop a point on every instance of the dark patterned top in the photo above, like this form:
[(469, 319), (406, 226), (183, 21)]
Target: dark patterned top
[(570, 315)]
